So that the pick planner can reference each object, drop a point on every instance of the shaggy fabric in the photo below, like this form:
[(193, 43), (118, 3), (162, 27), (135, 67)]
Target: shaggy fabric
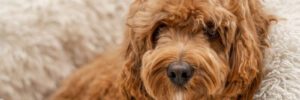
[(282, 79), (42, 41)]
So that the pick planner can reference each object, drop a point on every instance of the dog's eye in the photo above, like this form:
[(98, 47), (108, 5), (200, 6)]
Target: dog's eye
[(212, 34), (211, 31), (156, 33)]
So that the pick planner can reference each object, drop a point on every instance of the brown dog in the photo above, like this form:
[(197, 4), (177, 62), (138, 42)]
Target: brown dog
[(180, 50)]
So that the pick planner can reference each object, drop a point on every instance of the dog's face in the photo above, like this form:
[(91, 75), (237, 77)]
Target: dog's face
[(187, 49), (185, 63), (188, 58)]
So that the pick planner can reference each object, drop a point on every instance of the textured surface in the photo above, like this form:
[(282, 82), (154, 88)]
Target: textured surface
[(282, 80), (42, 41)]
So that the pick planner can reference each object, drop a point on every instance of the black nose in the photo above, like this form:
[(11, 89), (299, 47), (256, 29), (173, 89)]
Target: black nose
[(179, 72)]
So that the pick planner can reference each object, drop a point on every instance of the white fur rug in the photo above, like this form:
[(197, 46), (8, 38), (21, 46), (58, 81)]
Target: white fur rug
[(282, 80), (41, 41)]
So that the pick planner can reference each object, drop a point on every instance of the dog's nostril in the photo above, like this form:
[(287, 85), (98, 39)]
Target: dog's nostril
[(184, 75), (173, 75), (179, 72)]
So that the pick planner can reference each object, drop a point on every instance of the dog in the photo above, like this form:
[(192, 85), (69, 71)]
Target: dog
[(180, 50)]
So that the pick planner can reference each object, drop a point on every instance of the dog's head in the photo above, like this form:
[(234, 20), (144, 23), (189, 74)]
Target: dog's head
[(187, 49)]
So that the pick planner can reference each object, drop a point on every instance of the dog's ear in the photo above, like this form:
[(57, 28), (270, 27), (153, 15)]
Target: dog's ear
[(246, 54), (137, 41)]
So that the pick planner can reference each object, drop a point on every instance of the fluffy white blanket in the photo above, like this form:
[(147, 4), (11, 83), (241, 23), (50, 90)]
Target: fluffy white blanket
[(282, 80), (41, 41)]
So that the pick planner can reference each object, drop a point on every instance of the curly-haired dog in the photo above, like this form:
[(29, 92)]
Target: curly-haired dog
[(182, 50)]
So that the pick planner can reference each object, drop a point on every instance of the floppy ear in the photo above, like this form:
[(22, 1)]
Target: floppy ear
[(139, 27), (246, 53)]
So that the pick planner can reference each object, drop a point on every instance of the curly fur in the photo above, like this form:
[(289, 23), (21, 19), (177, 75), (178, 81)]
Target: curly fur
[(158, 32)]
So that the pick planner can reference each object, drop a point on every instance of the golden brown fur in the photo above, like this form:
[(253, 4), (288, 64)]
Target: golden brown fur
[(223, 40)]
